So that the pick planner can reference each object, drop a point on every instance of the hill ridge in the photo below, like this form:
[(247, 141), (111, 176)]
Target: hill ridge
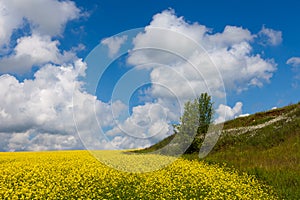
[(242, 125), (245, 129)]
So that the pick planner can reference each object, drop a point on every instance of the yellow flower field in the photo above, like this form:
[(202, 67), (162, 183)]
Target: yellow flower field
[(78, 175)]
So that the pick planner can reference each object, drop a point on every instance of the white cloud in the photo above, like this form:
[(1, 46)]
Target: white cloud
[(230, 36), (162, 34), (38, 114), (294, 61), (7, 24), (270, 37), (37, 22), (32, 141), (31, 51), (157, 50), (114, 44), (225, 112), (146, 121), (46, 17), (244, 115), (169, 42), (147, 125)]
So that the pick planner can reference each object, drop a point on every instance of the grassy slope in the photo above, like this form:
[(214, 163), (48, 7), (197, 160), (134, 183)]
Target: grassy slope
[(272, 153), (157, 146)]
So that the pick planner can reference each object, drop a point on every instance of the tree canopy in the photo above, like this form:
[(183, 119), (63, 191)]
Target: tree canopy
[(195, 121)]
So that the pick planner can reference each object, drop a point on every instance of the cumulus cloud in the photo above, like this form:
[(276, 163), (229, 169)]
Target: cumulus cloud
[(171, 41), (31, 141), (186, 59), (38, 114), (38, 14), (34, 50), (36, 25), (270, 37), (231, 35), (148, 124), (114, 44), (226, 112), (183, 59), (162, 34)]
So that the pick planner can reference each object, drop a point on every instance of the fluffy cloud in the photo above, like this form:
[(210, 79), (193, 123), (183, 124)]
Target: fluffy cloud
[(226, 112), (38, 114), (189, 57), (31, 51), (183, 60), (166, 32), (114, 44), (270, 37), (230, 36), (39, 14), (148, 123), (39, 142), (36, 25)]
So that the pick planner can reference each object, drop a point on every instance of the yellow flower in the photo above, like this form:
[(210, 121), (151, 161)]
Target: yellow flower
[(79, 175)]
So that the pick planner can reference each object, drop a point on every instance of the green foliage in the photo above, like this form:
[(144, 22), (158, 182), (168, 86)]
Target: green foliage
[(205, 111), (193, 126), (195, 120)]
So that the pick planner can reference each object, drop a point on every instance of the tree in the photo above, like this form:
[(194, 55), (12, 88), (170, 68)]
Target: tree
[(195, 121), (206, 112)]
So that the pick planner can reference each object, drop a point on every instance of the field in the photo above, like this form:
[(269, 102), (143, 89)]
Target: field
[(265, 145), (78, 175), (271, 153), (256, 157)]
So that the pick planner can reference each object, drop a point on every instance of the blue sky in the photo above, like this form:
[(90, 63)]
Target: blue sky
[(80, 74), (124, 15)]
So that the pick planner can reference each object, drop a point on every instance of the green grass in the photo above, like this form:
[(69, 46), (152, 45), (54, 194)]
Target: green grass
[(157, 146), (258, 118), (271, 153)]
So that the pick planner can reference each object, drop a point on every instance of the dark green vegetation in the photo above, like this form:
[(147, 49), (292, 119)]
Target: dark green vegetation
[(194, 122), (270, 151), (266, 144), (190, 132)]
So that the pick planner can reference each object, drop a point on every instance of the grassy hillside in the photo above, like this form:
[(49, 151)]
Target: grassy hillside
[(269, 148), (266, 144)]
